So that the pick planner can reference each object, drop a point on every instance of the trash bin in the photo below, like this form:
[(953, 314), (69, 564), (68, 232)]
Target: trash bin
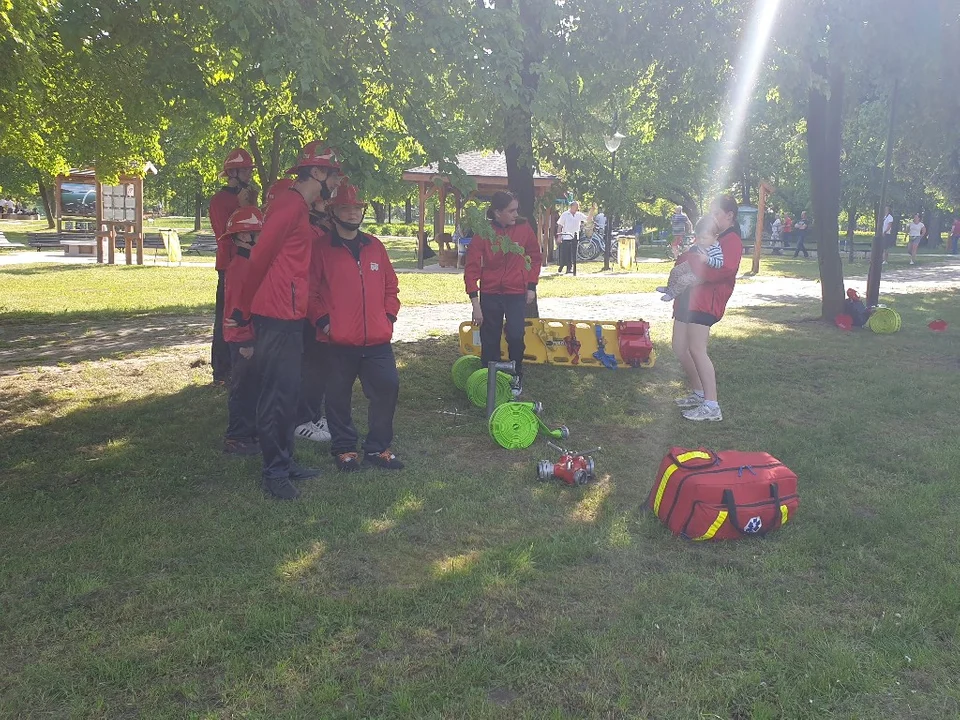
[(626, 251)]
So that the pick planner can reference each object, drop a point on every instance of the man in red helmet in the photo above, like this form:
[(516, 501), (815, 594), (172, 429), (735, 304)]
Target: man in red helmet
[(354, 303), (239, 190), (275, 294)]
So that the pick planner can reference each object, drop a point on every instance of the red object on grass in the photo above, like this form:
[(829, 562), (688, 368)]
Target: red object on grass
[(938, 325), (844, 322)]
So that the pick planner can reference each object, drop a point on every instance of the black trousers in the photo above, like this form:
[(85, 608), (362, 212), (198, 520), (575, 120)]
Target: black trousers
[(313, 376), (377, 369), (565, 251), (244, 395), (219, 349), (495, 308), (279, 351)]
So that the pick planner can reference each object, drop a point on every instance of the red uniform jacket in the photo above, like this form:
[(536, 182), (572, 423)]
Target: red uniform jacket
[(359, 299), (235, 281), (503, 273), (716, 286), (222, 205), (276, 285)]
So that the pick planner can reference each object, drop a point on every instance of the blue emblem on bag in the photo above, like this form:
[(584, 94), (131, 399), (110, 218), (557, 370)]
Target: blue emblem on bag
[(753, 526)]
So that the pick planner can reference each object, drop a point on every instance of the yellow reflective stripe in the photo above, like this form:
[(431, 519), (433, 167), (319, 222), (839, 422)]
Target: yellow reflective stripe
[(784, 514), (683, 457), (712, 530)]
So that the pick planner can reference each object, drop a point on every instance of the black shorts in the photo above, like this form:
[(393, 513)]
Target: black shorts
[(889, 241), (682, 313)]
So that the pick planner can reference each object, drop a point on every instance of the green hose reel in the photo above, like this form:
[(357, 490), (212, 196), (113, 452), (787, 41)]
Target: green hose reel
[(463, 368), (515, 425), (477, 388), (884, 321)]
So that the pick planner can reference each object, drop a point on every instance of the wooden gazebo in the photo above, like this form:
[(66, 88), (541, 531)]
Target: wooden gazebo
[(489, 171)]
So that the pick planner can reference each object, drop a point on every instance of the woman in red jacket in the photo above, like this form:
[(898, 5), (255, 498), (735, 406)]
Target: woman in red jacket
[(701, 307), (501, 277)]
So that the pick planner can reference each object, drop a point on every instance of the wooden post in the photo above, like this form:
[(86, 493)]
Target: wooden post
[(112, 246), (440, 216), (138, 218), (761, 210), (421, 244)]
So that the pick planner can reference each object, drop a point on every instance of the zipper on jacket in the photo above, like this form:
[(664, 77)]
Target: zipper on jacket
[(363, 298), (293, 299)]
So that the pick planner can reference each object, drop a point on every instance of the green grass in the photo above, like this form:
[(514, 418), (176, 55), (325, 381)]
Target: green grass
[(145, 576)]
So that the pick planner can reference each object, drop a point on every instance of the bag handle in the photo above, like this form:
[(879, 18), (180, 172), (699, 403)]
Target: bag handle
[(731, 506), (696, 462)]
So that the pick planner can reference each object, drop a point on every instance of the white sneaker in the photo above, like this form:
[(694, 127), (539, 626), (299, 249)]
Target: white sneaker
[(689, 401), (701, 413), (316, 431), (912, 262)]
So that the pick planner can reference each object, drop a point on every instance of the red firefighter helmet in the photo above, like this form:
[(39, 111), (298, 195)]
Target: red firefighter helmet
[(278, 187), (316, 154), (237, 159), (244, 219), (345, 195)]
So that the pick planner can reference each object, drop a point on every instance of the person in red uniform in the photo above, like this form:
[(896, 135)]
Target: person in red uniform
[(354, 304), (275, 295), (239, 190), (311, 422), (700, 308), (501, 275), (275, 189), (241, 437)]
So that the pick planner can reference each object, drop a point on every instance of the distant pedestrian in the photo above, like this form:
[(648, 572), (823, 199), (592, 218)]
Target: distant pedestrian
[(916, 231), (568, 235), (955, 236), (787, 229), (681, 226), (776, 235), (889, 236), (801, 231)]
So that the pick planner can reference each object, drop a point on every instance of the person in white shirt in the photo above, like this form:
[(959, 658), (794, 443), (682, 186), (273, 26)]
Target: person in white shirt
[(568, 233), (776, 233), (889, 236), (917, 231)]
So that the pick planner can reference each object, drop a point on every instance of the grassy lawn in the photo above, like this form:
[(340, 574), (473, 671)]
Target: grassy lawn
[(144, 575)]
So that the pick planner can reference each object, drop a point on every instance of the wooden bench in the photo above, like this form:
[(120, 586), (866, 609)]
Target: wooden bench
[(6, 244), (202, 242), (43, 240)]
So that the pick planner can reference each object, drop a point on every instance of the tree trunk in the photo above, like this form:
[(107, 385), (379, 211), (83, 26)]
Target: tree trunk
[(274, 170), (258, 159), (518, 118), (198, 213), (407, 211), (824, 136), (851, 229), (45, 196), (379, 212)]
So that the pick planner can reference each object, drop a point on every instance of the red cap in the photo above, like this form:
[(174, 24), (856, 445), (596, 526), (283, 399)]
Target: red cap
[(344, 195), (278, 187), (245, 219), (316, 154), (237, 159)]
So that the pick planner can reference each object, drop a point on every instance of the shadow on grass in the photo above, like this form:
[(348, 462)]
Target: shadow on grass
[(36, 341)]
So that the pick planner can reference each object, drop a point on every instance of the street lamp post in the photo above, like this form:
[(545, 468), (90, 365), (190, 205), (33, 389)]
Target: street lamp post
[(613, 144)]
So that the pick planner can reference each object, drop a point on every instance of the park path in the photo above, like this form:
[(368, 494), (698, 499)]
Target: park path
[(76, 341), (416, 323)]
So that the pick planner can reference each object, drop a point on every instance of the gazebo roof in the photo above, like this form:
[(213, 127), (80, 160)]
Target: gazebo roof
[(480, 165)]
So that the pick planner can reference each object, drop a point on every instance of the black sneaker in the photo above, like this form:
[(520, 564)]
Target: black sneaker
[(280, 488), (241, 448), (386, 460), (298, 472), (516, 385), (348, 462)]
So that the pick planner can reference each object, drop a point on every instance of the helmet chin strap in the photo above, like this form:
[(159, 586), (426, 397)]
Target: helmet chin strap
[(351, 226)]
